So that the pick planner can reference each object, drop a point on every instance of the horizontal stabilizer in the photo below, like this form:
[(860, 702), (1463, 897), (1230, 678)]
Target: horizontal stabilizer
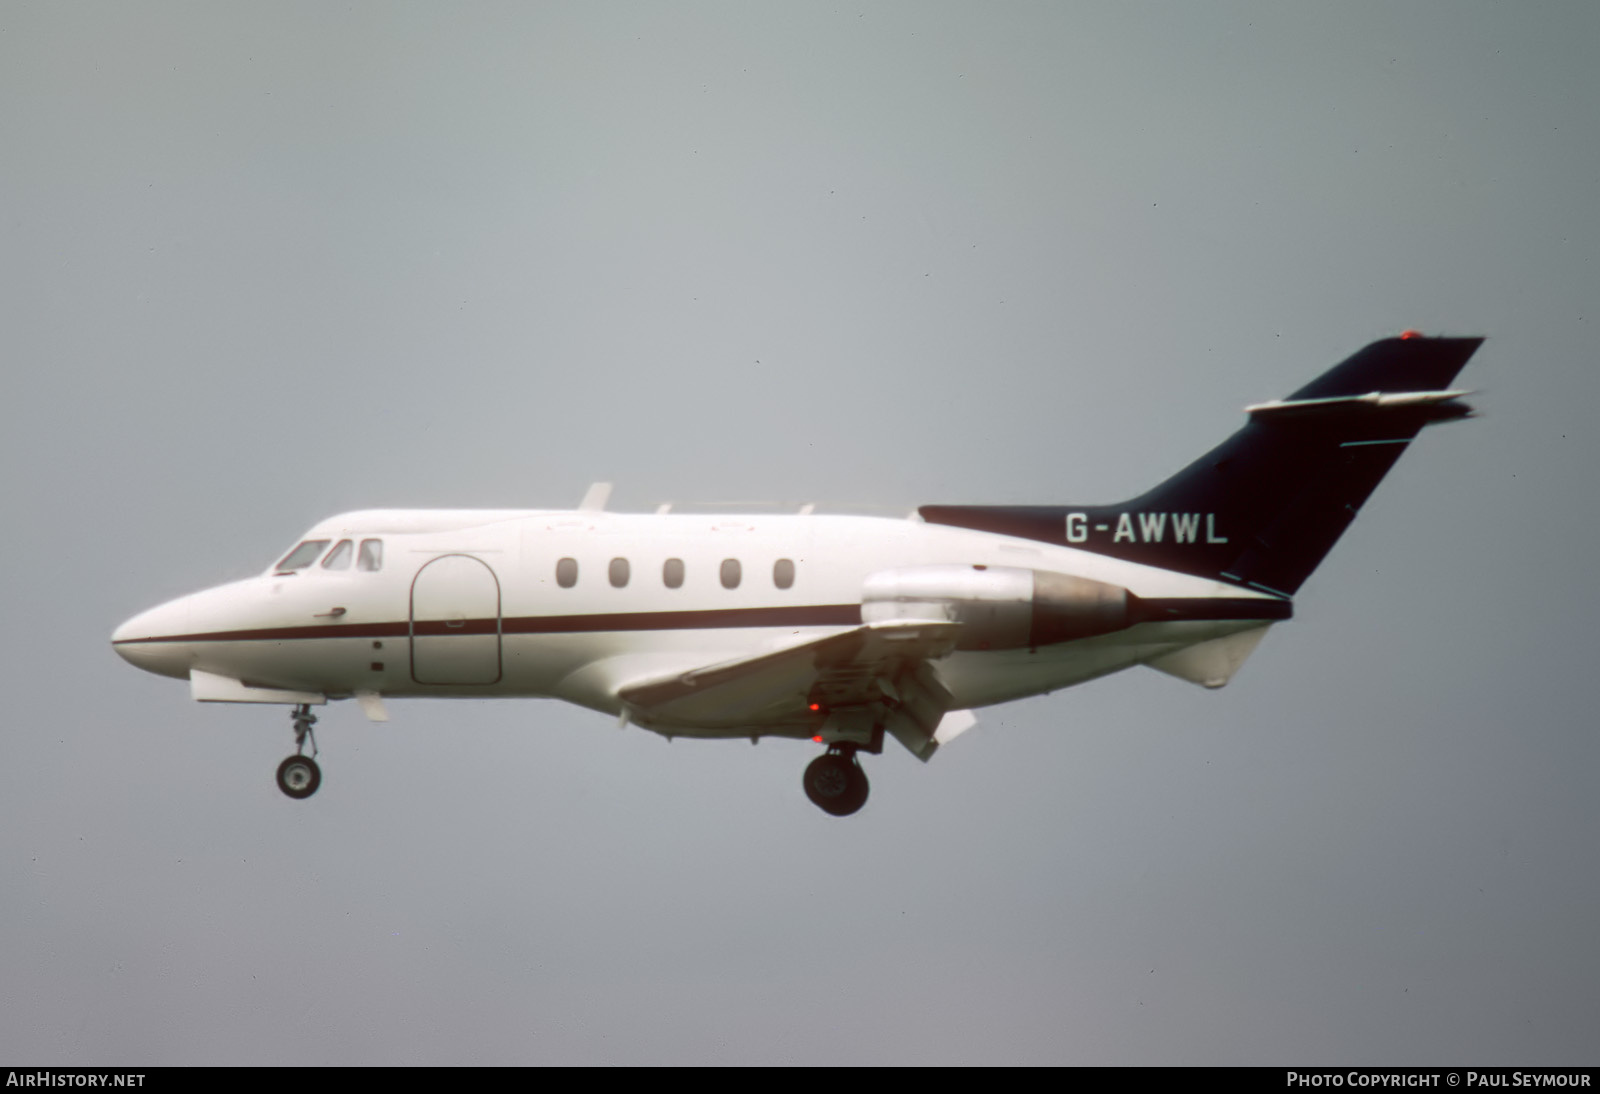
[(1211, 664), (1444, 404)]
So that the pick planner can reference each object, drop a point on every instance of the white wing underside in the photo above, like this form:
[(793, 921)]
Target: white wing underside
[(850, 687)]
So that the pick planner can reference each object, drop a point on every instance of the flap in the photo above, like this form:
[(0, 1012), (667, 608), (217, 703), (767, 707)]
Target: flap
[(845, 686), (779, 686)]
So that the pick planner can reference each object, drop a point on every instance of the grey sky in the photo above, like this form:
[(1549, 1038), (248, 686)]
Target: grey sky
[(261, 264)]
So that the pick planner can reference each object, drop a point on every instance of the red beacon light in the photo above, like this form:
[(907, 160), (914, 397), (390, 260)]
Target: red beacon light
[(1408, 335)]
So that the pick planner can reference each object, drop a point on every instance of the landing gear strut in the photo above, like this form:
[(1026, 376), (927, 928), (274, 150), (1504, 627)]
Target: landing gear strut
[(835, 781), (299, 776)]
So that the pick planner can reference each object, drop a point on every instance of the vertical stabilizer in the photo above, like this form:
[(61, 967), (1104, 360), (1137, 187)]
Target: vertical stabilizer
[(1264, 507)]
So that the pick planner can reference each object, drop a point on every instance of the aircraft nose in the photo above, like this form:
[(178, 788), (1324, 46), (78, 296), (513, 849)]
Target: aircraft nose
[(127, 631), (145, 641)]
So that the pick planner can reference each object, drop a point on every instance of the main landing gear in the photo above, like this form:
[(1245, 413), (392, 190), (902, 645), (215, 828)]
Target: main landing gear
[(299, 776), (835, 781)]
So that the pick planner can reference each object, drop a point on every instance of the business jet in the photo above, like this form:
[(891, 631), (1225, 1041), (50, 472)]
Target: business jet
[(842, 630)]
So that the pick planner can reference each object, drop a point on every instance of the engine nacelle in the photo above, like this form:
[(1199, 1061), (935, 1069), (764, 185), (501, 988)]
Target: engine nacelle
[(999, 607)]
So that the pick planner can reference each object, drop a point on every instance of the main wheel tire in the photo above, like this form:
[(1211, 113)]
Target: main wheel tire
[(836, 784), (299, 776)]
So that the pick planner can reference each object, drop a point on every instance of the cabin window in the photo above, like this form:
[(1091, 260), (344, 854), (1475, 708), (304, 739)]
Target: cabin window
[(339, 557), (618, 572), (370, 557), (731, 572), (567, 573), (672, 573), (302, 556), (783, 573)]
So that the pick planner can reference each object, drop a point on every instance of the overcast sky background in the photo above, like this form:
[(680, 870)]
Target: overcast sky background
[(264, 263)]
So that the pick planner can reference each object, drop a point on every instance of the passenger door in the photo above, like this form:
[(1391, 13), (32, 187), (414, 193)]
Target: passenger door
[(455, 622)]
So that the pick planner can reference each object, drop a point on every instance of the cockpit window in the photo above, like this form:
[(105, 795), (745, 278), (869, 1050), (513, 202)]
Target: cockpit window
[(339, 557), (302, 556), (371, 556)]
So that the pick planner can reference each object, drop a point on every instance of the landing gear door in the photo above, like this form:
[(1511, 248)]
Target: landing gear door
[(455, 622)]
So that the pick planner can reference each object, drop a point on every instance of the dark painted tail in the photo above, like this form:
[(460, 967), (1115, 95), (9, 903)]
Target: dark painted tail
[(1264, 507)]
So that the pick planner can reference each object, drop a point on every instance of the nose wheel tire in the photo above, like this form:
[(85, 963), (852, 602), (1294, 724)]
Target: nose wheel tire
[(836, 784), (299, 776)]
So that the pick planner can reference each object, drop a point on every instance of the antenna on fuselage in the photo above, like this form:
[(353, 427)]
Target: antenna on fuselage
[(594, 501)]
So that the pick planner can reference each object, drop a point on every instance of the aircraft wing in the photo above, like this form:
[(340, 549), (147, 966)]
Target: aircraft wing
[(849, 687)]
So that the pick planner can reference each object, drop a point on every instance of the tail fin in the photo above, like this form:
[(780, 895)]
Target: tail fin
[(1264, 507)]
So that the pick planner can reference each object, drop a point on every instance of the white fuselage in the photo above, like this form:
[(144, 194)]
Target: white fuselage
[(480, 603)]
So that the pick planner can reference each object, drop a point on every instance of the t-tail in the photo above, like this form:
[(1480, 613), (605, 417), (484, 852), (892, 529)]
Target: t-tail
[(1265, 506)]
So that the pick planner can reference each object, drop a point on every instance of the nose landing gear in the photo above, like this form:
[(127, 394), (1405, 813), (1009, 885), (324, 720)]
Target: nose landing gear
[(835, 782), (299, 776)]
